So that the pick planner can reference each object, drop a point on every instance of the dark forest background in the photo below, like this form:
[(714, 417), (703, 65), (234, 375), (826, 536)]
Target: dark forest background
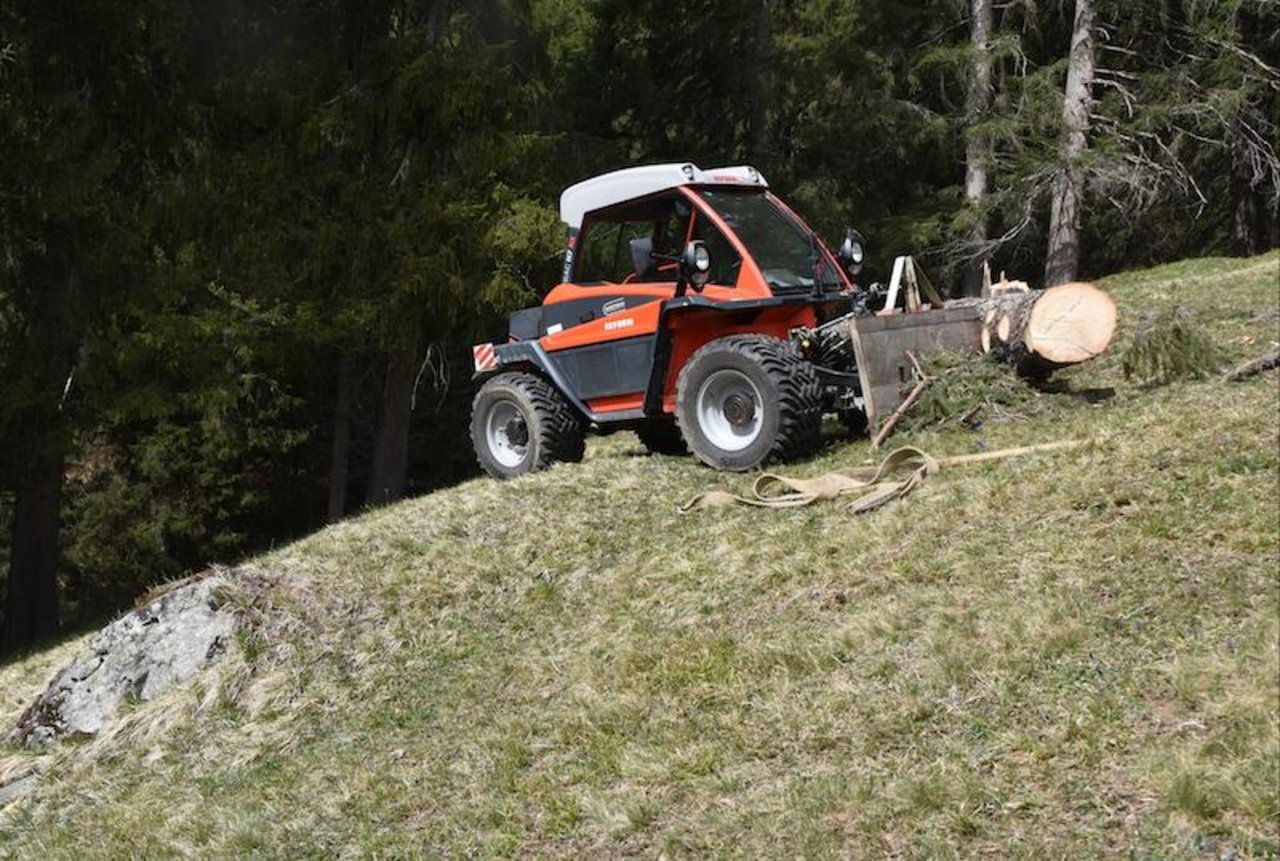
[(244, 246)]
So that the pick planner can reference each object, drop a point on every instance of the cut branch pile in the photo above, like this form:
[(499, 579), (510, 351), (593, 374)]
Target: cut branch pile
[(968, 390), (1170, 346)]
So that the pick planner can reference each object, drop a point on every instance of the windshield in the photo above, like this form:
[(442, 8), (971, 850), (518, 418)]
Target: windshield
[(786, 253)]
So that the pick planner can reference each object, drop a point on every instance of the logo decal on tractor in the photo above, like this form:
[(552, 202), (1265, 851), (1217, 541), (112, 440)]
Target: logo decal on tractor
[(613, 306), (484, 357), (624, 323), (568, 254)]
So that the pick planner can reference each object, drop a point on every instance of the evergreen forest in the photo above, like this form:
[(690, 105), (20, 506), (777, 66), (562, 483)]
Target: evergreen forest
[(245, 246)]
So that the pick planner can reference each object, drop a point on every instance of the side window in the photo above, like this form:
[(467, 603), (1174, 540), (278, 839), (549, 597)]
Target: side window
[(604, 253), (725, 260), (600, 257)]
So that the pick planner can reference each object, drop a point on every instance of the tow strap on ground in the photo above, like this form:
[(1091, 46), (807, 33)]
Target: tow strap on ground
[(896, 476)]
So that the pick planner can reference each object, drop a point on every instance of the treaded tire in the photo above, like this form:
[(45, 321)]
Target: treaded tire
[(662, 436), (544, 428), (786, 422)]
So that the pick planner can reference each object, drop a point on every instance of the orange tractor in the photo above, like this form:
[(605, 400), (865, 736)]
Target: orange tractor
[(695, 308)]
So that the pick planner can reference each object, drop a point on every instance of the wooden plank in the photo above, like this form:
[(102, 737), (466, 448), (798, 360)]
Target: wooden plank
[(881, 344)]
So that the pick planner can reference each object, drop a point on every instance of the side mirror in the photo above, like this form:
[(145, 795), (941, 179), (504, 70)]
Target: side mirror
[(695, 264), (852, 251)]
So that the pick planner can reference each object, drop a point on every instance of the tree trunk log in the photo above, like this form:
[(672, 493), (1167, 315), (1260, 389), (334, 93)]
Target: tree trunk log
[(31, 605), (1040, 331), (1063, 259), (1248, 201), (761, 139), (341, 457), (43, 433), (389, 474), (1257, 366), (977, 151)]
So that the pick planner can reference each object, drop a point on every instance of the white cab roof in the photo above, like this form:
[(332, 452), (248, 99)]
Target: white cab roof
[(610, 188)]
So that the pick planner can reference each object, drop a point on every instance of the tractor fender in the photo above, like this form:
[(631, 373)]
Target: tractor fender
[(695, 302), (529, 354)]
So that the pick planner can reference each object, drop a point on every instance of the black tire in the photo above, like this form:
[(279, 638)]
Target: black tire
[(746, 400), (520, 423), (662, 436)]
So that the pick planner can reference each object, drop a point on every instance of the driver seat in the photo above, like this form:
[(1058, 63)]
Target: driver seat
[(642, 258)]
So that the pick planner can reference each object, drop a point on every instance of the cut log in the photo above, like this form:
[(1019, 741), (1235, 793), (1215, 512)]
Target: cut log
[(1070, 323), (1043, 330)]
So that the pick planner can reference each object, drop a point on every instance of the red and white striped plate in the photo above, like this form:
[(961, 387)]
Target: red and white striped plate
[(484, 357)]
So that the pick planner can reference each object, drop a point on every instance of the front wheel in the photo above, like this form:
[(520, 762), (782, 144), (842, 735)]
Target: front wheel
[(520, 423), (744, 400)]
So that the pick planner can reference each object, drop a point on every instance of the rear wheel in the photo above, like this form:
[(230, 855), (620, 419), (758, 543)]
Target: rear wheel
[(662, 436), (748, 399), (520, 423)]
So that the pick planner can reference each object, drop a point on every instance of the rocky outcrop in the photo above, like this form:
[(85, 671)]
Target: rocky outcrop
[(137, 657)]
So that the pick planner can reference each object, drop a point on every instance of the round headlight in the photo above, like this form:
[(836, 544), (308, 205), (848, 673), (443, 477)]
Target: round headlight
[(852, 251), (695, 263)]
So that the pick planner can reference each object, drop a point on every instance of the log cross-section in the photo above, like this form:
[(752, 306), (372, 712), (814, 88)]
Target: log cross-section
[(1043, 330)]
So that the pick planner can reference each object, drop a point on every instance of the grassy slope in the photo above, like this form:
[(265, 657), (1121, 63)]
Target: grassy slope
[(1064, 655)]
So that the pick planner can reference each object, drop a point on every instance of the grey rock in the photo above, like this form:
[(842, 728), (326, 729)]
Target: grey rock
[(139, 657)]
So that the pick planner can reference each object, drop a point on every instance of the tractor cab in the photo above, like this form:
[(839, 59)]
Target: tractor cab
[(668, 268), (624, 249)]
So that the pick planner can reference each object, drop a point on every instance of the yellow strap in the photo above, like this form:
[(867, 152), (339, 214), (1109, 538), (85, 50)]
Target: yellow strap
[(908, 467), (771, 490)]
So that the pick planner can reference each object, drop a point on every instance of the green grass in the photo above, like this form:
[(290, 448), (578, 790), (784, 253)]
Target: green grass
[(1068, 655)]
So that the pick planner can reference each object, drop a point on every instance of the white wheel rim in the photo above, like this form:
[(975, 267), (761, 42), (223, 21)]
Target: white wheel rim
[(730, 410), (504, 418)]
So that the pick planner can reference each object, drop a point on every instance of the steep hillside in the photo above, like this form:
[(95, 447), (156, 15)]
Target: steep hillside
[(1067, 654)]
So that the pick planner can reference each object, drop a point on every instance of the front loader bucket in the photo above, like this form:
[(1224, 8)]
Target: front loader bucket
[(881, 344)]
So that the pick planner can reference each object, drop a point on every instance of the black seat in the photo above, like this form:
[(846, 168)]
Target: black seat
[(642, 257)]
